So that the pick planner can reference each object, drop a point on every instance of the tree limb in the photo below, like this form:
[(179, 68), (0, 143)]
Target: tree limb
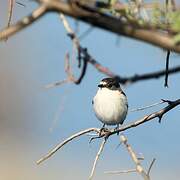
[(26, 21), (133, 155), (94, 17), (97, 158), (65, 142), (107, 133)]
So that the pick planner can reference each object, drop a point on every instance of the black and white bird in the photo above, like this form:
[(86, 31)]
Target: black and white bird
[(110, 102)]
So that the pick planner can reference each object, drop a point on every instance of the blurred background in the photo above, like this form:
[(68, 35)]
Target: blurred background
[(34, 119)]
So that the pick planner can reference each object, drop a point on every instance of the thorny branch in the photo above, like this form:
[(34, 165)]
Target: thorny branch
[(106, 134)]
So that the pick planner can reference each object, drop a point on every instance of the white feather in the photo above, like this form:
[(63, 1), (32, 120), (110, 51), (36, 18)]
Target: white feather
[(110, 106)]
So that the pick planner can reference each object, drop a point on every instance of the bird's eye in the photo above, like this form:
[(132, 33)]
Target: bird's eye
[(117, 85)]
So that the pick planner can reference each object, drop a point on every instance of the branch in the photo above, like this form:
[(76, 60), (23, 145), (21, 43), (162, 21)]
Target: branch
[(97, 157), (139, 167), (26, 21), (65, 142), (147, 76), (108, 133), (120, 172), (167, 69), (10, 12), (146, 107), (125, 80), (96, 18), (159, 114), (150, 167), (82, 52)]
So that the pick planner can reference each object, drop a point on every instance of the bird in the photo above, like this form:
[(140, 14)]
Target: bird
[(110, 103)]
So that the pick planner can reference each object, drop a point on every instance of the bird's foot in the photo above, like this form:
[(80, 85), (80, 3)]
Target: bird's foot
[(116, 128), (102, 133)]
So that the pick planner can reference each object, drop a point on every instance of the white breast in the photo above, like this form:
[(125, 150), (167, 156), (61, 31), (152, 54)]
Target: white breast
[(110, 106)]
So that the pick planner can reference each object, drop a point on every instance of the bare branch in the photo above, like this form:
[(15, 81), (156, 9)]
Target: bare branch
[(159, 114), (20, 4), (65, 142), (167, 69), (26, 21), (146, 107), (10, 11), (120, 172), (82, 52), (133, 155), (150, 167), (106, 134), (98, 19), (147, 76), (97, 158)]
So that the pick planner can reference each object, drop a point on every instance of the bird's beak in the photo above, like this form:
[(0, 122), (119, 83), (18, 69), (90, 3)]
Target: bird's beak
[(100, 86)]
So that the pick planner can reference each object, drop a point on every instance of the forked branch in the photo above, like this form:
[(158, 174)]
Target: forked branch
[(106, 134)]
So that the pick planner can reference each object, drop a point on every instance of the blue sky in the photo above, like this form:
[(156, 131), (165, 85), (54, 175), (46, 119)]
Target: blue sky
[(35, 57)]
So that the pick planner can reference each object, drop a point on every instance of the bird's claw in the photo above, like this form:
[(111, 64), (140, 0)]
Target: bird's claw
[(102, 133)]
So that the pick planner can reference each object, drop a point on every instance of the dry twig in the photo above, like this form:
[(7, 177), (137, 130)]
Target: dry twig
[(120, 172), (65, 142), (26, 21), (167, 69), (146, 107), (97, 158), (139, 168), (150, 167), (10, 12)]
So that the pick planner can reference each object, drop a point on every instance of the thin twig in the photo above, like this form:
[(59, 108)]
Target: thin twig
[(86, 32), (120, 172), (10, 12), (26, 21), (150, 167), (51, 152), (82, 52), (68, 70), (20, 4), (167, 69), (133, 155), (146, 107), (97, 158)]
